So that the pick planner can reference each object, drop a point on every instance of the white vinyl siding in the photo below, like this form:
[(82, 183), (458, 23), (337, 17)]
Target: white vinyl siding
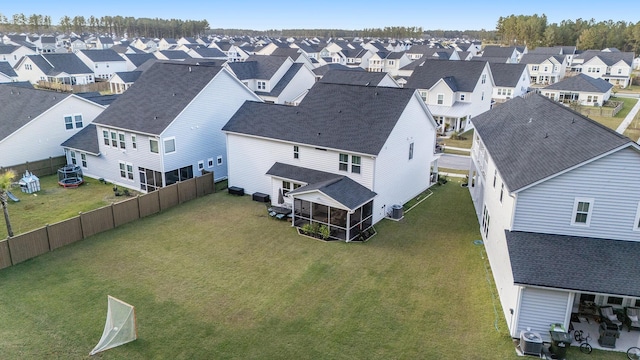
[(616, 200), (46, 132), (541, 307)]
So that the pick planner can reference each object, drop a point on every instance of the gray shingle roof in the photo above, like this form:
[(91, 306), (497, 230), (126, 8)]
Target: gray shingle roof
[(286, 79), (157, 97), (533, 138), (609, 58), (53, 64), (139, 59), (85, 140), (257, 67), (21, 105), (102, 55), (551, 260), (349, 77), (175, 54), (129, 76), (465, 73), (507, 74), (96, 97), (581, 82), (290, 52), (324, 69), (7, 69), (210, 53), (351, 118), (540, 58), (338, 187), (7, 49), (498, 51)]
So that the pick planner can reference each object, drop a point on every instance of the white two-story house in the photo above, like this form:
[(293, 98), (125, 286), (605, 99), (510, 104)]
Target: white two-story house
[(342, 158), (612, 66), (454, 91), (558, 201), (545, 69), (104, 62), (164, 129)]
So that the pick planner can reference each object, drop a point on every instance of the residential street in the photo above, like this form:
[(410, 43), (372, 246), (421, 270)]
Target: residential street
[(457, 162)]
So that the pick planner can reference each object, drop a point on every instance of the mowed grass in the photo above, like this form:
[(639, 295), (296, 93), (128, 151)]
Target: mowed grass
[(54, 203), (217, 278), (614, 122), (466, 143)]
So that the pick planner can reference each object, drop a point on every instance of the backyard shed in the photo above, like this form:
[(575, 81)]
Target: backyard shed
[(29, 183)]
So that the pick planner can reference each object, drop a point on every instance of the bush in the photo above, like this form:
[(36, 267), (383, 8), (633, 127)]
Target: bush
[(323, 231), (456, 136)]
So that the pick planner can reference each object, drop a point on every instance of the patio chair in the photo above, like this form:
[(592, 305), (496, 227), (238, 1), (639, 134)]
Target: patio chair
[(631, 318), (609, 316)]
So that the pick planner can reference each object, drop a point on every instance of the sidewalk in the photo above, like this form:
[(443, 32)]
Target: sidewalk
[(629, 118)]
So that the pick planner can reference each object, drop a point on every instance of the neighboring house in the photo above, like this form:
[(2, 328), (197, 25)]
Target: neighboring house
[(361, 78), (234, 53), (121, 81), (394, 61), (148, 45), (164, 129), (580, 89), (104, 42), (324, 69), (77, 44), (171, 55), (103, 62), (167, 44), (206, 53), (545, 69), (135, 60), (454, 91), (58, 68), (556, 194), (13, 53), (45, 44), (614, 67), (510, 80), (7, 74), (275, 79), (511, 54), (328, 173), (567, 51), (33, 123)]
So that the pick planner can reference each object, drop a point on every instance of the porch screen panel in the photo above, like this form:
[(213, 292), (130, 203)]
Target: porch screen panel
[(320, 213)]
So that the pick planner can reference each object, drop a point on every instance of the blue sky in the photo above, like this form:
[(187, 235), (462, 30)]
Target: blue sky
[(349, 14)]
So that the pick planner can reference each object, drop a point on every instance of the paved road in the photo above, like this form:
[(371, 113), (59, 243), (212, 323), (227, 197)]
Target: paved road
[(458, 162)]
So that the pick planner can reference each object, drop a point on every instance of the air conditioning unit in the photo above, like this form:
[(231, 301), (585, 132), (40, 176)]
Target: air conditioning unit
[(530, 343)]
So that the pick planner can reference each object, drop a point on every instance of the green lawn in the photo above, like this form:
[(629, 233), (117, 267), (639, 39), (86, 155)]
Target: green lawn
[(633, 131), (614, 122), (466, 143), (54, 203), (217, 278)]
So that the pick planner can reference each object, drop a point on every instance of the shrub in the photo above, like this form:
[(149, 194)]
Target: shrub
[(323, 231)]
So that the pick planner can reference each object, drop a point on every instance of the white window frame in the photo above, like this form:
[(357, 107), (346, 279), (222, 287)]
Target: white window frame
[(462, 96), (210, 162), (484, 78), (114, 139), (122, 142), (105, 138), (83, 160), (68, 122), (219, 160), (77, 117), (164, 145), (261, 85), (636, 224), (72, 155), (126, 170), (576, 202), (440, 99), (134, 142), (296, 152), (151, 141), (356, 168), (486, 219), (200, 165), (411, 151)]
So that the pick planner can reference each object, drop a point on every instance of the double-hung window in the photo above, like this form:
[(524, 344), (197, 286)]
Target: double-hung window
[(410, 151), (355, 164), (582, 211), (344, 162)]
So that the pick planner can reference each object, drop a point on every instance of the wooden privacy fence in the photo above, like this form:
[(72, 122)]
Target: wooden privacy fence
[(23, 247), (41, 168)]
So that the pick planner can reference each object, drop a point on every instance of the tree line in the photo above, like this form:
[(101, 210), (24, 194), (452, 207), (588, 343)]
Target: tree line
[(118, 26), (534, 31)]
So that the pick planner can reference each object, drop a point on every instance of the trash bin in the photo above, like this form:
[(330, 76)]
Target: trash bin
[(560, 341)]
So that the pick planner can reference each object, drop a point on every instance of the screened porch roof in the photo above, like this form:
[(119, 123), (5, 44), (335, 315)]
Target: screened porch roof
[(337, 187), (575, 263)]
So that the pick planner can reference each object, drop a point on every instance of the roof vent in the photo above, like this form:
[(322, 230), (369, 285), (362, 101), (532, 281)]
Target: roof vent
[(189, 68), (573, 121), (546, 135), (155, 118), (530, 120)]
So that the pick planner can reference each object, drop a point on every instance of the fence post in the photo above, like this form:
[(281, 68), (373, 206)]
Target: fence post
[(46, 230), (81, 226), (9, 247)]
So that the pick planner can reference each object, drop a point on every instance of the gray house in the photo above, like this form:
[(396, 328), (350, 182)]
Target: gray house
[(582, 89), (558, 201)]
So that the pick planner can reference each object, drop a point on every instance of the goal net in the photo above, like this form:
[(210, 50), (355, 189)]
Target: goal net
[(120, 327)]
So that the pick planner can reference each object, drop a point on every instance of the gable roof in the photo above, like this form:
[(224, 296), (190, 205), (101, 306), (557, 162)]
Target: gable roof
[(84, 140), (581, 82), (7, 69), (540, 58), (174, 54), (324, 69), (498, 51), (285, 80), (139, 59), (609, 58), (328, 117), (533, 138), (554, 254), (8, 49), (53, 64), (157, 97), (507, 74), (209, 52), (102, 55), (349, 77), (257, 67), (465, 73), (21, 105), (338, 187), (129, 76), (286, 51)]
